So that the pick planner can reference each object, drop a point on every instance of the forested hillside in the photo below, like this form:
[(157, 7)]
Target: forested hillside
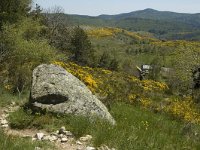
[(163, 24)]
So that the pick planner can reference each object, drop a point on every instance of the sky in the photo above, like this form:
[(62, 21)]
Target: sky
[(97, 7)]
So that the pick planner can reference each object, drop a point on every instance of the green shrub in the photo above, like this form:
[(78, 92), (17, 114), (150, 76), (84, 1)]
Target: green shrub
[(6, 98), (27, 49), (20, 119)]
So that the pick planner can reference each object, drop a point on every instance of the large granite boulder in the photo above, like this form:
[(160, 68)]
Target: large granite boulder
[(56, 90)]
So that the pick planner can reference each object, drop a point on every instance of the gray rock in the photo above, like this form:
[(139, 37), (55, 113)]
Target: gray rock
[(68, 133), (4, 116), (62, 130), (56, 90), (63, 140), (79, 143), (104, 147), (86, 138), (5, 126), (90, 148), (60, 136), (46, 138), (4, 122), (39, 136), (53, 138), (37, 148), (34, 139)]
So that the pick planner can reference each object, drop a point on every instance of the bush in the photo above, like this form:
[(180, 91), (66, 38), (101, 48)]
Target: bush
[(27, 50), (82, 48), (20, 119)]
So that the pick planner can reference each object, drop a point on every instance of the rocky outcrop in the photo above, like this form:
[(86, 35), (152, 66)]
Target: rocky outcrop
[(56, 90)]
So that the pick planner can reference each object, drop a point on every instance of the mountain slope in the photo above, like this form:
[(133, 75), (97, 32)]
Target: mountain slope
[(163, 24)]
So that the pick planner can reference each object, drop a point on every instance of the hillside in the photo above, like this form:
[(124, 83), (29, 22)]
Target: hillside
[(164, 24), (138, 106), (110, 82)]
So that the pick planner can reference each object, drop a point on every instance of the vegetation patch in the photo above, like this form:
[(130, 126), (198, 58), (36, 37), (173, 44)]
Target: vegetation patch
[(136, 128), (17, 143)]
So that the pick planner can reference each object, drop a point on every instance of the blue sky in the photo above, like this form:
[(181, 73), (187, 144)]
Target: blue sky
[(97, 7)]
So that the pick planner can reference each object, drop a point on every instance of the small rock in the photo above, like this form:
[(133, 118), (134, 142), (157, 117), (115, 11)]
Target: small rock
[(90, 148), (46, 138), (37, 148), (68, 133), (10, 108), (39, 136), (3, 122), (86, 138), (104, 147), (26, 136), (13, 103), (60, 136), (57, 132), (34, 139), (79, 143), (4, 116), (62, 130), (5, 126), (6, 111), (54, 134), (53, 138), (64, 140)]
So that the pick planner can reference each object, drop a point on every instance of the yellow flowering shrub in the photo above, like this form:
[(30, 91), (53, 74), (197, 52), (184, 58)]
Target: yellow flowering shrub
[(8, 87), (146, 102), (132, 97), (105, 81), (80, 73), (102, 32), (106, 71), (116, 86), (108, 31), (150, 85), (184, 109)]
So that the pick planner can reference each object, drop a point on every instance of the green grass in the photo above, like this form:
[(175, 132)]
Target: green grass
[(136, 128), (7, 98), (16, 143)]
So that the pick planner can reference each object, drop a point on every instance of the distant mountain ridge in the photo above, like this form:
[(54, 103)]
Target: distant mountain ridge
[(164, 24), (148, 14)]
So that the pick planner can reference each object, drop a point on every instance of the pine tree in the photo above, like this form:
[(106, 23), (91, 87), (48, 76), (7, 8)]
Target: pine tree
[(82, 48), (105, 60)]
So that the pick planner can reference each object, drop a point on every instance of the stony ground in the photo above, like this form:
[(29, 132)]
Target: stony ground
[(63, 140)]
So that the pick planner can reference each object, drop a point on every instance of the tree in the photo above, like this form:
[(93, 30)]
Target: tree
[(12, 10), (82, 48), (58, 31), (186, 58), (114, 64), (36, 13), (105, 60), (156, 64), (25, 52)]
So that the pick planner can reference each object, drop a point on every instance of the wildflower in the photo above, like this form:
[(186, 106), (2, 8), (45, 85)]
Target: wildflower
[(8, 87)]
